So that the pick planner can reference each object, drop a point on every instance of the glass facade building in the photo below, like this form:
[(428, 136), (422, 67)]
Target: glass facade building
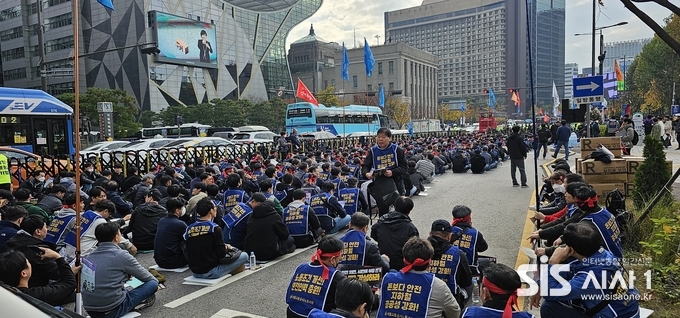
[(547, 25), (250, 48)]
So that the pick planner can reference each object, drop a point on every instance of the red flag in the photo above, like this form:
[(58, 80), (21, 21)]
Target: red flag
[(515, 98), (305, 94), (540, 111), (546, 118)]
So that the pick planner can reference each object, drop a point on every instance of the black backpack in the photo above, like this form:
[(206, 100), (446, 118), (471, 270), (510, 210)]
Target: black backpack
[(615, 202), (129, 194), (636, 137)]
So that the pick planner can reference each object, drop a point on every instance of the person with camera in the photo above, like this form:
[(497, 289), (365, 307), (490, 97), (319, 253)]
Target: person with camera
[(384, 164)]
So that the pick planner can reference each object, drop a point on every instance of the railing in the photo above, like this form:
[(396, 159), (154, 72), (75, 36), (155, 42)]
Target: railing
[(147, 159)]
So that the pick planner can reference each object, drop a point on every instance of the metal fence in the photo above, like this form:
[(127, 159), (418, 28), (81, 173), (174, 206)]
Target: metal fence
[(147, 159)]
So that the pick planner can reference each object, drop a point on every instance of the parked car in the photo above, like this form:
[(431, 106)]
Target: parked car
[(137, 150), (101, 148), (254, 134), (317, 135), (189, 148)]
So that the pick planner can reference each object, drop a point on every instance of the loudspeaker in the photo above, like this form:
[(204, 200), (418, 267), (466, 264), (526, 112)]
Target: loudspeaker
[(573, 115)]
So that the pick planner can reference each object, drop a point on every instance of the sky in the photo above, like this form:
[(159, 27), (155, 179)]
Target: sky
[(336, 20)]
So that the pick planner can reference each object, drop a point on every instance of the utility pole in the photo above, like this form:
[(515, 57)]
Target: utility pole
[(41, 47)]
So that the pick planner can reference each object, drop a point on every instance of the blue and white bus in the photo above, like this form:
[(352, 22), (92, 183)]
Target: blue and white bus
[(340, 121), (34, 121)]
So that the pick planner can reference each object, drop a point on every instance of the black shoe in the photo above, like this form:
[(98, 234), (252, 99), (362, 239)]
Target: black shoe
[(515, 185), (147, 302), (525, 186), (554, 156)]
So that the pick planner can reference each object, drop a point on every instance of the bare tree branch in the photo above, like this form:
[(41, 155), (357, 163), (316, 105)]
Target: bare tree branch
[(665, 3), (655, 27)]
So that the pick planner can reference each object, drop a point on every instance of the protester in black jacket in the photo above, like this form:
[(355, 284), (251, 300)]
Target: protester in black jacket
[(478, 162), (459, 163), (393, 230), (267, 235), (132, 179), (517, 150), (123, 207), (169, 251), (52, 202), (142, 190), (543, 137), (144, 221), (33, 232), (61, 292)]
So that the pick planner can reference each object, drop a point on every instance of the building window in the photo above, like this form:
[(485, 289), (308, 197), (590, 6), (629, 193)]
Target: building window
[(333, 82), (390, 65), (10, 13), (391, 86), (325, 84), (59, 44), (380, 68), (15, 74), (370, 87), (355, 82), (13, 33), (13, 54), (60, 21)]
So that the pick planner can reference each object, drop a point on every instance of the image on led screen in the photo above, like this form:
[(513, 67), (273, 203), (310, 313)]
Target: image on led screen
[(184, 41)]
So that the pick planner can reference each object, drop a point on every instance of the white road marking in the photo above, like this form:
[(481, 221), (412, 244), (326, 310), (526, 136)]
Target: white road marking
[(228, 313)]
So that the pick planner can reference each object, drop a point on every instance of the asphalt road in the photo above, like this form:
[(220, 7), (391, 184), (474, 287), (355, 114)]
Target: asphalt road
[(498, 211)]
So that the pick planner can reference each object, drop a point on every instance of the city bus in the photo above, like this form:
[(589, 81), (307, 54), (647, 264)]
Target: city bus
[(340, 121), (185, 130), (36, 122)]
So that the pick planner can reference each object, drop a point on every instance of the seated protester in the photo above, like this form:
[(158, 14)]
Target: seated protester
[(16, 271), (102, 179), (143, 190), (490, 164), (393, 230), (35, 184), (174, 192), (123, 207), (416, 178), (32, 233), (60, 232), (478, 162), (321, 270), (354, 300), (310, 187), (559, 205), (144, 221), (51, 203), (352, 197), (267, 235), (331, 214), (234, 193), (168, 243), (164, 183), (67, 179), (337, 181), (434, 300), (283, 189), (9, 225), (301, 221), (586, 200), (207, 254), (439, 164), (197, 194), (236, 221), (213, 191), (449, 263), (104, 293), (460, 163), (498, 294), (359, 249), (101, 214), (466, 237), (592, 264), (267, 188), (97, 194), (23, 199), (426, 168)]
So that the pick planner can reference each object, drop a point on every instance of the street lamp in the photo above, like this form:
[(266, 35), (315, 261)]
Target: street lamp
[(602, 52)]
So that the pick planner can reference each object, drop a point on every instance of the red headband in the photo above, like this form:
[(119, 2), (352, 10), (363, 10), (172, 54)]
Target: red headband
[(465, 219), (512, 300), (317, 257), (592, 201), (417, 262)]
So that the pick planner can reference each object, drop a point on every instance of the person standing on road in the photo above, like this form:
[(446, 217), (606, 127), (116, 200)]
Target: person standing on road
[(562, 138), (543, 137), (627, 135), (517, 150)]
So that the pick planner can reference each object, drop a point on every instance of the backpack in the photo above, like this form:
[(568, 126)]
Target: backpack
[(636, 137), (615, 202), (129, 194), (612, 124)]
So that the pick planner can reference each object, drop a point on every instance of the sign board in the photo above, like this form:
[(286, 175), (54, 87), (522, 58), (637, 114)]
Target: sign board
[(588, 89), (675, 109), (370, 274), (105, 107)]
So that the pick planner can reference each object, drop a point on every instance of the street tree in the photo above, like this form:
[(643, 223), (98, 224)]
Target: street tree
[(397, 110), (327, 97), (124, 108)]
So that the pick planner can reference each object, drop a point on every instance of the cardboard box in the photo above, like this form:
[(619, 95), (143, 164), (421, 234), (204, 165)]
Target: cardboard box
[(635, 162), (600, 172), (588, 145), (578, 165), (630, 186), (603, 189)]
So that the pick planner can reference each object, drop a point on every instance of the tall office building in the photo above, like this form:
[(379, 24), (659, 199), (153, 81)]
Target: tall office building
[(308, 56), (476, 46), (547, 20), (241, 56), (570, 71), (623, 51)]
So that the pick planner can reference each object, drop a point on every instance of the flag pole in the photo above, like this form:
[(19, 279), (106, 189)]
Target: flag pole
[(370, 117), (76, 161)]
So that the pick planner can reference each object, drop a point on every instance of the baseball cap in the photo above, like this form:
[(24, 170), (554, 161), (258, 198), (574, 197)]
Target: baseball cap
[(441, 225)]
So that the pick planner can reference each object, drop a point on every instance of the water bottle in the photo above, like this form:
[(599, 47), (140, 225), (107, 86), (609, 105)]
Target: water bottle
[(253, 261), (476, 301)]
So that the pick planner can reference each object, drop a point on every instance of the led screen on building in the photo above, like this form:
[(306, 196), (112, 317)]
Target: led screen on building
[(184, 41)]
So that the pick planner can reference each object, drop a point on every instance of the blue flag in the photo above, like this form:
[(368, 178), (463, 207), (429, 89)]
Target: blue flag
[(462, 106), (492, 99), (410, 128), (344, 69), (382, 96), (106, 3), (368, 58)]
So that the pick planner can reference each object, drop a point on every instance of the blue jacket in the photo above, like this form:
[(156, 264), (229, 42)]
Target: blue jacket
[(168, 249), (624, 305), (7, 231), (563, 133)]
